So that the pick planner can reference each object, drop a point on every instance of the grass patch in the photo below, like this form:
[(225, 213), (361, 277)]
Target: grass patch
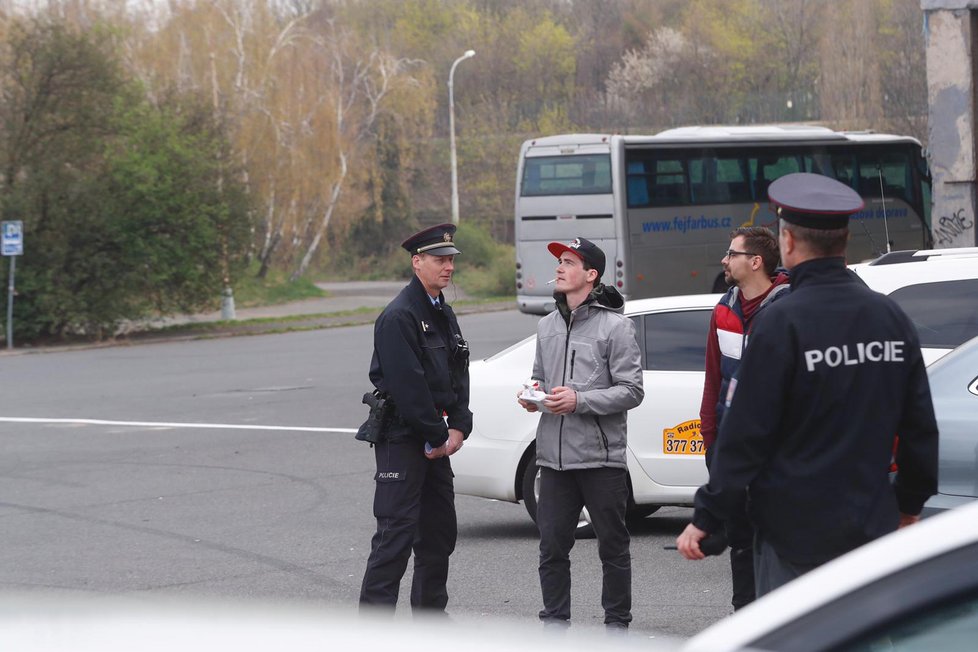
[(203, 326), (275, 288)]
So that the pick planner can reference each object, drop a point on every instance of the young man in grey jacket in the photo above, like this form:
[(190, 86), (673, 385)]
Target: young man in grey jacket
[(589, 364)]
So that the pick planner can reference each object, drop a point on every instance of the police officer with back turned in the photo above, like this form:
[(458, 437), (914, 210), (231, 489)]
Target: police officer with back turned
[(420, 366), (832, 374)]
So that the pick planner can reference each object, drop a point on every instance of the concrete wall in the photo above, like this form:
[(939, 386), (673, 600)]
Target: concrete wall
[(950, 28)]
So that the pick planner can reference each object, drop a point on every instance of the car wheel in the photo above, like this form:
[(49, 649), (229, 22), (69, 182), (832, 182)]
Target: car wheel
[(531, 490)]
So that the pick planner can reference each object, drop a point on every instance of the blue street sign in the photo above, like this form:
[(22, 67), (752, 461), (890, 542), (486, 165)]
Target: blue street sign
[(12, 238)]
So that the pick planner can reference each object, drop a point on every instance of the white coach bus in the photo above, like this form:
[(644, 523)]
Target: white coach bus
[(662, 207)]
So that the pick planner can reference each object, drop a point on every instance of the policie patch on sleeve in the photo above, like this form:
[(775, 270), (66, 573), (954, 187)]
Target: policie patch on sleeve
[(390, 476)]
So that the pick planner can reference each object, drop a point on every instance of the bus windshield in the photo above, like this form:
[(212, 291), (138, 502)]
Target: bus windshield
[(586, 174)]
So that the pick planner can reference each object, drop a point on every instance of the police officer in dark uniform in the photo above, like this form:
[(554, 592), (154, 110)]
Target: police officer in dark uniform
[(833, 373), (420, 364)]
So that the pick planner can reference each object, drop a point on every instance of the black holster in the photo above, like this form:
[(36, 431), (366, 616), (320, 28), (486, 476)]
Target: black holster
[(374, 429)]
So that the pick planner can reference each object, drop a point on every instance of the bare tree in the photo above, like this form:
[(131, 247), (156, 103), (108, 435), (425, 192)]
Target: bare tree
[(359, 85), (903, 77), (663, 83), (849, 81)]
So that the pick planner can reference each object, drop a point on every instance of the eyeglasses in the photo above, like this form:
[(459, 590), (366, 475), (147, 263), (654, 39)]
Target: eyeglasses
[(731, 253)]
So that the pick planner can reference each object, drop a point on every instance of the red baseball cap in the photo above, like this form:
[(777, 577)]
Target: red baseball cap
[(584, 249)]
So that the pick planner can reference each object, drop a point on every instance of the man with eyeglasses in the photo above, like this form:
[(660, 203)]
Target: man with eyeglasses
[(749, 266), (833, 372)]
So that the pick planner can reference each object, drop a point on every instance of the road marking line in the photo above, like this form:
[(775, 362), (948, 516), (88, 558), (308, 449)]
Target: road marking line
[(167, 424)]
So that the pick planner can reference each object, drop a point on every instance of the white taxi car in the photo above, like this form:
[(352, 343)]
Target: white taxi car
[(937, 289)]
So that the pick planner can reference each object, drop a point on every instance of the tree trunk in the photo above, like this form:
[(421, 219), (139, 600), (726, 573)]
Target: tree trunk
[(324, 224), (266, 257)]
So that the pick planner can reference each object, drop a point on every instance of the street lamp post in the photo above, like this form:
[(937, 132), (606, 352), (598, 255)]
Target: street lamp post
[(451, 131)]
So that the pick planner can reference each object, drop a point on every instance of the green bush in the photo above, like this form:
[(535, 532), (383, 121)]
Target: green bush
[(486, 267), (131, 209)]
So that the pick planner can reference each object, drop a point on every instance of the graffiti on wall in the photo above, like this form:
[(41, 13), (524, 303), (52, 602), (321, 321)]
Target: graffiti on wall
[(949, 229)]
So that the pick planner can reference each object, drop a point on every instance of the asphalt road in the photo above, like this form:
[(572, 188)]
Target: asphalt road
[(181, 469)]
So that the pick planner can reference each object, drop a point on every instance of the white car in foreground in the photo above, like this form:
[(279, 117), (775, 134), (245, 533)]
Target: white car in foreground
[(913, 590), (937, 289)]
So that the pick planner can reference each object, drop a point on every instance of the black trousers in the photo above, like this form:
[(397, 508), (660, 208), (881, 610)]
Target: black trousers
[(604, 492), (740, 537), (414, 504)]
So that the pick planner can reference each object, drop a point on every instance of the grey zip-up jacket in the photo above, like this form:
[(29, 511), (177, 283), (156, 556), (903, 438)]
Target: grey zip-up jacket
[(593, 351)]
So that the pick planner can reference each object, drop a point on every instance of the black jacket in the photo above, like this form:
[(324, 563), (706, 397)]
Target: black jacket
[(833, 372), (417, 361)]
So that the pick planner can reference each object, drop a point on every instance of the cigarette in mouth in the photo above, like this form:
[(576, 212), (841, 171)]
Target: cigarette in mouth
[(551, 281)]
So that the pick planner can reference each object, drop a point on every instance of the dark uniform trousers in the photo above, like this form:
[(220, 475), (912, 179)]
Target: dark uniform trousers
[(414, 504), (772, 570), (604, 491), (740, 537)]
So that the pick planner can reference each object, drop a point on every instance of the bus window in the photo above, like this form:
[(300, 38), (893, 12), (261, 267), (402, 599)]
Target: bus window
[(896, 173), (844, 166), (638, 184), (656, 180), (814, 164), (716, 180), (668, 183), (566, 175), (765, 169)]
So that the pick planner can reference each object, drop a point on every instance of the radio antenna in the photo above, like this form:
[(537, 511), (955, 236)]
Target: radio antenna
[(886, 228)]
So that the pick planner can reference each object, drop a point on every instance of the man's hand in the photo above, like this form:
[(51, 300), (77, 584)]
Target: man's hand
[(441, 451), (561, 400), (455, 440), (526, 405), (450, 447), (688, 543), (907, 519)]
